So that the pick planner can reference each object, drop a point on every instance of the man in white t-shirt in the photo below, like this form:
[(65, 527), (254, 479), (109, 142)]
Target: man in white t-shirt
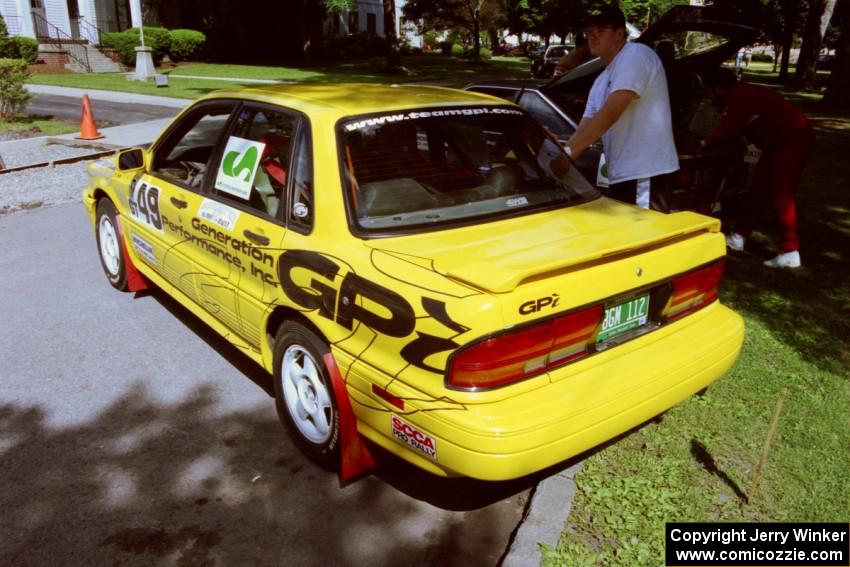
[(629, 108)]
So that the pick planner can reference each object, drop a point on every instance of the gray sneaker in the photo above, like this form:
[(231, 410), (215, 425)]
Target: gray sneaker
[(785, 260)]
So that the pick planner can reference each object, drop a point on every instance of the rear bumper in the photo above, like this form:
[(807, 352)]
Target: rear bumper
[(577, 407)]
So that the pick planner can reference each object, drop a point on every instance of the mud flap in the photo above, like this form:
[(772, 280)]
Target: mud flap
[(354, 454), (135, 280)]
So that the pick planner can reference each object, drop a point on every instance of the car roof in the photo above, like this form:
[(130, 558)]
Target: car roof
[(339, 100)]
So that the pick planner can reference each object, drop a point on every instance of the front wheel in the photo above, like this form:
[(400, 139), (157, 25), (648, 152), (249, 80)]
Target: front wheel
[(304, 393), (109, 245)]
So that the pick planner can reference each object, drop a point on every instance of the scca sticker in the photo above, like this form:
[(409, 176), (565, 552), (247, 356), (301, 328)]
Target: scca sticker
[(239, 166), (409, 435)]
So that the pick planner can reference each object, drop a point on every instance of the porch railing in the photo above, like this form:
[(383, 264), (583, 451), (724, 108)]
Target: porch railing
[(89, 31), (48, 33)]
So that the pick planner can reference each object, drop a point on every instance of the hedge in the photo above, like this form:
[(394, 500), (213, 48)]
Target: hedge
[(26, 48), (125, 42), (186, 45)]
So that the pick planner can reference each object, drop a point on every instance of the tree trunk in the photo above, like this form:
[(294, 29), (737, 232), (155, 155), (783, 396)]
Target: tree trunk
[(789, 11), (391, 36), (820, 13), (311, 44), (810, 46), (476, 33), (838, 89)]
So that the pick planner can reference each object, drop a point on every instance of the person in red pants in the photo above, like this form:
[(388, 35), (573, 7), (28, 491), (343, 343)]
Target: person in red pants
[(786, 140)]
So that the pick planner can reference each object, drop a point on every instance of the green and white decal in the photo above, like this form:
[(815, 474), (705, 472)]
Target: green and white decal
[(239, 166)]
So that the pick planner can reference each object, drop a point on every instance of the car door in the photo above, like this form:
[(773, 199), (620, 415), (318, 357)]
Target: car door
[(165, 199), (243, 214)]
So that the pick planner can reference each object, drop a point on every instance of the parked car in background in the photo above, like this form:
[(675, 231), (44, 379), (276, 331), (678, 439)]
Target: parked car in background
[(689, 40), (420, 267), (544, 67)]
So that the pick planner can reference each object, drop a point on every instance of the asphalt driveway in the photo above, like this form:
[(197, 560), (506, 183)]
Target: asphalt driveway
[(131, 434)]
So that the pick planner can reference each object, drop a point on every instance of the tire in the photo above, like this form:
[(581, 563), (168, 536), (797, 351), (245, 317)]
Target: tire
[(304, 394), (109, 247)]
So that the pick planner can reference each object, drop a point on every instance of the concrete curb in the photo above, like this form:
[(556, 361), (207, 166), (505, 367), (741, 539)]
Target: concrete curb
[(547, 513)]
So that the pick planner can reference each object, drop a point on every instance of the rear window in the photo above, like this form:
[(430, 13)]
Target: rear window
[(431, 168)]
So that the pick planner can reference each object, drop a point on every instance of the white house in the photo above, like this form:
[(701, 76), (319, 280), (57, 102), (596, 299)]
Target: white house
[(67, 19), (368, 17)]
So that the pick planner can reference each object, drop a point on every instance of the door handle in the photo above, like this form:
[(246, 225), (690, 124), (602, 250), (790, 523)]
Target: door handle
[(258, 238), (179, 203)]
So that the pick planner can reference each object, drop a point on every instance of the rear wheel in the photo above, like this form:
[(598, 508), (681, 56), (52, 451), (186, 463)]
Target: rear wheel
[(109, 245), (304, 393)]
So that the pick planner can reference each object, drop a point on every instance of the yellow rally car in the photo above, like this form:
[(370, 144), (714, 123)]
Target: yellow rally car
[(420, 267)]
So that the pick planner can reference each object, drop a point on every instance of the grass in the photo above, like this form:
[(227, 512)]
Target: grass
[(448, 71), (38, 126), (696, 463)]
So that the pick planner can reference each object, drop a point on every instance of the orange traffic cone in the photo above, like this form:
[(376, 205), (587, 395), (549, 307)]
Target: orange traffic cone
[(88, 130)]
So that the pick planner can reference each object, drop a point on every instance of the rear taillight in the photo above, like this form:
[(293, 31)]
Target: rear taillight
[(515, 356), (694, 291)]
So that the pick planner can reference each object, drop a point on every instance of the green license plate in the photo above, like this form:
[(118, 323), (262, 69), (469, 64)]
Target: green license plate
[(624, 317)]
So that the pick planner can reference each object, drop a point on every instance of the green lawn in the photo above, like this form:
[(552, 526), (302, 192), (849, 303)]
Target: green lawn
[(448, 71), (36, 126), (696, 463)]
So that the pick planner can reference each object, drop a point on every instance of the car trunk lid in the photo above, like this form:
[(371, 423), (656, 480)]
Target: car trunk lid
[(497, 257)]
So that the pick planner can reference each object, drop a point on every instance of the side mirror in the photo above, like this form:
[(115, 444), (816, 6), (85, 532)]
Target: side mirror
[(131, 159)]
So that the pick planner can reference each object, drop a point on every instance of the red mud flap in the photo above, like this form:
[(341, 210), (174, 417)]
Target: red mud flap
[(135, 280), (354, 454)]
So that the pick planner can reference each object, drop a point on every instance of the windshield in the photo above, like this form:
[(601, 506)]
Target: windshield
[(444, 166)]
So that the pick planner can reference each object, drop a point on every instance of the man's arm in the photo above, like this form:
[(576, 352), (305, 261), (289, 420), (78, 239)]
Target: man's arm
[(591, 128)]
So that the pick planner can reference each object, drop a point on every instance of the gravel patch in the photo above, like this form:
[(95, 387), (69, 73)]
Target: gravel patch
[(39, 150), (42, 186)]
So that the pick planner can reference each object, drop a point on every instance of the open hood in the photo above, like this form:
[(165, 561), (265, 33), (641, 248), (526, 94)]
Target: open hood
[(703, 37)]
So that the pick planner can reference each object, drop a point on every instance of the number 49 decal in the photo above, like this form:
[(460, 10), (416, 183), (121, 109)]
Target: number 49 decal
[(144, 204)]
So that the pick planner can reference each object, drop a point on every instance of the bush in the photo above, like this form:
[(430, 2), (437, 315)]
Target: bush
[(14, 98), (484, 53), (7, 46), (762, 57), (358, 45), (457, 50), (186, 45), (125, 42), (26, 48)]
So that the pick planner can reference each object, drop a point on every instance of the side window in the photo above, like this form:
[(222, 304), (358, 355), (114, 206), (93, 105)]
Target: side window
[(255, 163), (185, 156), (300, 215), (543, 112)]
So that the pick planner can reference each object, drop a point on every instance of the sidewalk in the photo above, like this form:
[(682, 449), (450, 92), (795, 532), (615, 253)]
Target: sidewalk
[(125, 136)]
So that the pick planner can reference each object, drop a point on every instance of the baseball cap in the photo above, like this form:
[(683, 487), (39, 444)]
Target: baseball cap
[(606, 16)]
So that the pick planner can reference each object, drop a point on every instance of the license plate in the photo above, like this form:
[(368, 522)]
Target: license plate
[(624, 317)]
